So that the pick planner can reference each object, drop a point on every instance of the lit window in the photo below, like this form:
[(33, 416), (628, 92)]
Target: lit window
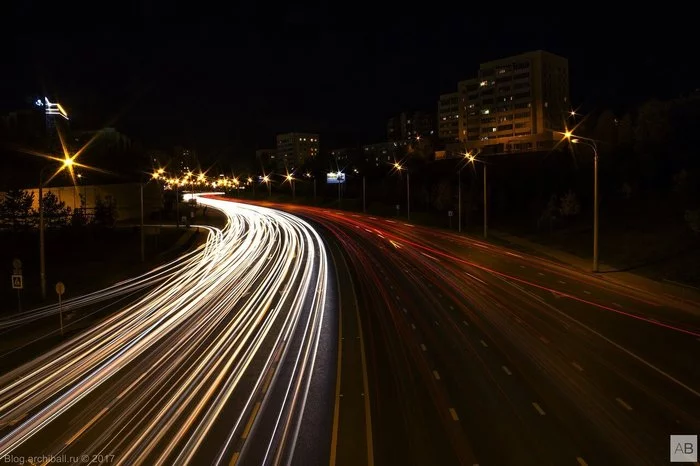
[(483, 83), (493, 130)]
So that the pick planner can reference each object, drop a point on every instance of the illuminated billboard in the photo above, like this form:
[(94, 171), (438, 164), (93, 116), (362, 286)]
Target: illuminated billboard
[(335, 178)]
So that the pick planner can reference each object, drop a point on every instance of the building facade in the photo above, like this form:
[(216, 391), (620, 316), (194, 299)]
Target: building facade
[(384, 152), (267, 160), (448, 117), (515, 104), (295, 149), (410, 126)]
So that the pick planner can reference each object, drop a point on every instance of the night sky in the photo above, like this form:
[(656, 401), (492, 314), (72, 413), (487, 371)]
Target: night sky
[(225, 82)]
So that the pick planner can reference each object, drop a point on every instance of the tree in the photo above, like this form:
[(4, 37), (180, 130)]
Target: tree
[(79, 218), (441, 195), (56, 213), (16, 209), (105, 211), (692, 218), (549, 213), (569, 205)]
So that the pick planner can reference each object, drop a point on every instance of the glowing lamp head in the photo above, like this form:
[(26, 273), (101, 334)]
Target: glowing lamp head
[(567, 134), (67, 162)]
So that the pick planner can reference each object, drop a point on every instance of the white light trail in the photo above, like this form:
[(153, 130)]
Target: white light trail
[(151, 382)]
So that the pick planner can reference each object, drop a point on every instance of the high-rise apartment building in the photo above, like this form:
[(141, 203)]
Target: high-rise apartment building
[(295, 149), (448, 117), (267, 159), (410, 125), (517, 103)]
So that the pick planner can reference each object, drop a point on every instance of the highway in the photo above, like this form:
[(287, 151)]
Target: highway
[(214, 363), (479, 354)]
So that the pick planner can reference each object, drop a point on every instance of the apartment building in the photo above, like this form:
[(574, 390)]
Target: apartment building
[(516, 103)]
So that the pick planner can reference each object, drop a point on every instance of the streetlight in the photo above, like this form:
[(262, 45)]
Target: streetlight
[(266, 180), (470, 158), (399, 167), (67, 163), (290, 178), (309, 175), (592, 144)]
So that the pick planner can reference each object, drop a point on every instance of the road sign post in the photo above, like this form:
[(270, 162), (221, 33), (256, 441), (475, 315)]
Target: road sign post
[(60, 289), (17, 281), (449, 215)]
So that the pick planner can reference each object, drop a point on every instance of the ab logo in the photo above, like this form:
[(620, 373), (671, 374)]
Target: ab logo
[(684, 448)]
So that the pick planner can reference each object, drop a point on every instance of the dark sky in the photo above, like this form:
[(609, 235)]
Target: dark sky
[(226, 81)]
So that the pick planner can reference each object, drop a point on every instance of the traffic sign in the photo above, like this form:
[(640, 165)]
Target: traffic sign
[(60, 288), (450, 213), (17, 283), (17, 264)]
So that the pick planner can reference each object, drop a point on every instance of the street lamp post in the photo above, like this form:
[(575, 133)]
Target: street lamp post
[(408, 195), (67, 162), (399, 167), (592, 144), (459, 201), (364, 195), (486, 209)]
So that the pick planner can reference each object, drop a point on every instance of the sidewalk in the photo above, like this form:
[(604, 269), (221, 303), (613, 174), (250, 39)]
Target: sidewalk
[(685, 294)]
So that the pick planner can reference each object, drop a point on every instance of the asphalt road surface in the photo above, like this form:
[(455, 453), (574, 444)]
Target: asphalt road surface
[(478, 354), (214, 365)]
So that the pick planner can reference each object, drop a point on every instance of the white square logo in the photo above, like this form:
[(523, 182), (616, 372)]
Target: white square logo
[(684, 448)]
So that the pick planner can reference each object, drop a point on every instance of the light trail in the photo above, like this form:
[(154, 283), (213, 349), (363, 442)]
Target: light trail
[(180, 369)]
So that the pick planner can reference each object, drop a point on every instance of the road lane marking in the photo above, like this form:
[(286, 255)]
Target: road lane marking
[(586, 291), (437, 323), (437, 375), (423, 347), (452, 308), (506, 370), (398, 298), (373, 218), (465, 323), (623, 404), (654, 320), (405, 311), (86, 426), (249, 425), (453, 413), (561, 282), (408, 224), (431, 257), (540, 274), (234, 459), (616, 304), (544, 340), (522, 266), (484, 344), (538, 408), (577, 366), (517, 319), (475, 278), (581, 461), (413, 326)]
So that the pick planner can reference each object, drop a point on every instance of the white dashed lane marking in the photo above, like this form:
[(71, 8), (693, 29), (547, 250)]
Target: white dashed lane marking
[(506, 370), (577, 366), (538, 408), (484, 344), (465, 323), (437, 375), (453, 413), (423, 347), (586, 291), (623, 404)]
